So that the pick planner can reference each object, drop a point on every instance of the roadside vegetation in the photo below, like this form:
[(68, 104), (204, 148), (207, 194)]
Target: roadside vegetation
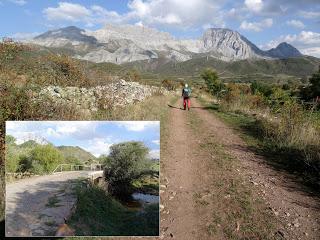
[(282, 121), (31, 158), (103, 211), (99, 214)]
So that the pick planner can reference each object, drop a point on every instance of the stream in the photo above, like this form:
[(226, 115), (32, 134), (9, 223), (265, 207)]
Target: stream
[(139, 200)]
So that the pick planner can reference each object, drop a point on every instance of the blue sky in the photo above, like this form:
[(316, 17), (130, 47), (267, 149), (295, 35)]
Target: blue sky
[(264, 22), (94, 136)]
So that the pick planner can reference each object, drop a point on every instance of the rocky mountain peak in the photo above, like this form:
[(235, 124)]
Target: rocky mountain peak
[(284, 50), (71, 33), (230, 44), (128, 43)]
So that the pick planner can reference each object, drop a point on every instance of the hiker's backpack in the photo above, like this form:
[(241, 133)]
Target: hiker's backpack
[(186, 92)]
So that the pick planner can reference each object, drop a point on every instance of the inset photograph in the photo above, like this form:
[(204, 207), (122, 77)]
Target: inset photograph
[(82, 178)]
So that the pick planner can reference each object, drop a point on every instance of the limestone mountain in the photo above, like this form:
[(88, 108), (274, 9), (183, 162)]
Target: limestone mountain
[(127, 43)]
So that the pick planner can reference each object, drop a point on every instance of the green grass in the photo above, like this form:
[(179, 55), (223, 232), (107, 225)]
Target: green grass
[(281, 157), (99, 214)]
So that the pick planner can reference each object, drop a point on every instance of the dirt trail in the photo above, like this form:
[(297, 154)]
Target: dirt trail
[(185, 173), (27, 210)]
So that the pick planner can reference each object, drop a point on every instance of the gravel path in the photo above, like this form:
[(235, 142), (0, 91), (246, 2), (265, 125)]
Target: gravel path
[(35, 206)]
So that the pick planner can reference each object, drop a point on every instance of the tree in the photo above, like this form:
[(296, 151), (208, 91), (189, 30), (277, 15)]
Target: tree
[(315, 84), (45, 158), (212, 81), (10, 139), (128, 161), (313, 90)]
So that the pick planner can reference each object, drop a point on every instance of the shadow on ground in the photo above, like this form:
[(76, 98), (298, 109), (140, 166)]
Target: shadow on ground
[(27, 208)]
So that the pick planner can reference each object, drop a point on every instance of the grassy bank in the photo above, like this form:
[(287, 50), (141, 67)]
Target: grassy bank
[(99, 214), (256, 133)]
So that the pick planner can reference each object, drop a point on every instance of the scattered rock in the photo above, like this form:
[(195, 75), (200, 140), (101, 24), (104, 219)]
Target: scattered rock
[(117, 93)]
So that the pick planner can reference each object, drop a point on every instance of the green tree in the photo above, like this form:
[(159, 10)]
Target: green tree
[(10, 139), (212, 81), (128, 161), (45, 158), (72, 160), (315, 84)]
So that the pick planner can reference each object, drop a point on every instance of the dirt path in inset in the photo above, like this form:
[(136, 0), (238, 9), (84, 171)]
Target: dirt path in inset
[(28, 209)]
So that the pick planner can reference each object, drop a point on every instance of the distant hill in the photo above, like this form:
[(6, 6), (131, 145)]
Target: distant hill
[(79, 153), (67, 151), (246, 70)]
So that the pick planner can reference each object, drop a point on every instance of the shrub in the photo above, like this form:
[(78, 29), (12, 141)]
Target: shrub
[(169, 84), (265, 89), (45, 158), (127, 162), (212, 81)]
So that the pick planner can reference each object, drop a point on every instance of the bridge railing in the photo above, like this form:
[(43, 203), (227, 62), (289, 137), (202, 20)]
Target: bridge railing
[(77, 167)]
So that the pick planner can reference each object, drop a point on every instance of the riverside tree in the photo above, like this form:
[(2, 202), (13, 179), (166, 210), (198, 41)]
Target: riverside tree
[(44, 158), (127, 162)]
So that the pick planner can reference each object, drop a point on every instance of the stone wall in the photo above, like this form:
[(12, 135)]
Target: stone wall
[(117, 93)]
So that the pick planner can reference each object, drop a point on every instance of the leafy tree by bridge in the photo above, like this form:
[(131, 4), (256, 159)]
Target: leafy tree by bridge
[(45, 158), (127, 162)]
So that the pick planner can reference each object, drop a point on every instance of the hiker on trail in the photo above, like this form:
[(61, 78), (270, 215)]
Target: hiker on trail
[(186, 94)]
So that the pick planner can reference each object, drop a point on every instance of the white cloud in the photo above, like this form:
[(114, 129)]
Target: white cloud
[(98, 146), (148, 12), (256, 26), (24, 36), (181, 13), (19, 2), (156, 142), (155, 153), (307, 42), (309, 14), (76, 129), (254, 5), (295, 23), (138, 126), (67, 11)]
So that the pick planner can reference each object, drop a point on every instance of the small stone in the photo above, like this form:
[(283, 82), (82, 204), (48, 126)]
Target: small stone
[(296, 225), (287, 214), (305, 233)]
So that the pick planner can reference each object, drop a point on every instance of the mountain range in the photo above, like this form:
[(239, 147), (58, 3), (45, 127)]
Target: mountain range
[(129, 43)]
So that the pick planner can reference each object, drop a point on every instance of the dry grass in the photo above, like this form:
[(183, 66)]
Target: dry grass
[(288, 138), (237, 212)]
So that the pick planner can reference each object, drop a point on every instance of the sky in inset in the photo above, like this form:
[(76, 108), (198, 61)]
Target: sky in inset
[(95, 137)]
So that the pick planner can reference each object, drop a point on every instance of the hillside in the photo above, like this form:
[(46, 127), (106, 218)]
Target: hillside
[(76, 152), (243, 70)]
